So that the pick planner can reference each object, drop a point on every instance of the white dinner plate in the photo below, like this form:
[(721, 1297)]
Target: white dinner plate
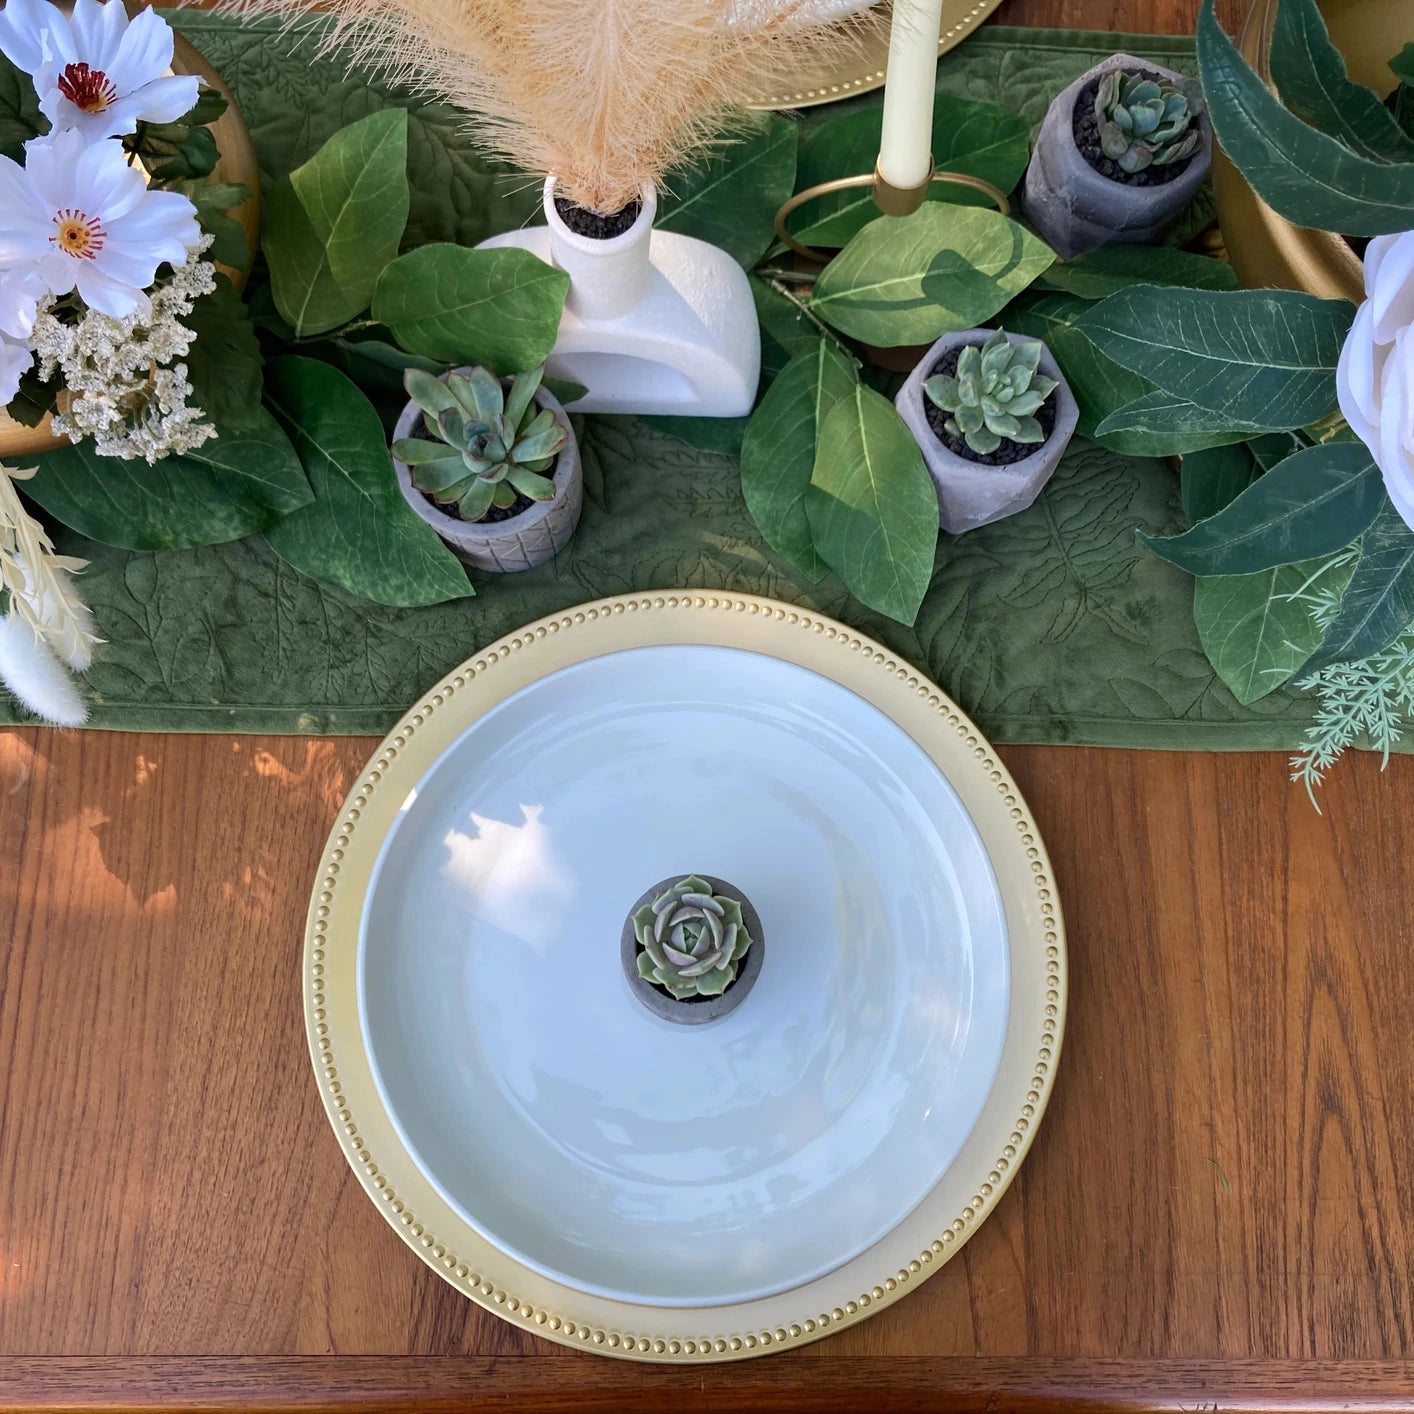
[(600, 1175)]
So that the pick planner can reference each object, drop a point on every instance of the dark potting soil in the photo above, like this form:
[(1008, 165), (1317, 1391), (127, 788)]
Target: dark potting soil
[(496, 514), (1086, 130), (584, 222), (1009, 451)]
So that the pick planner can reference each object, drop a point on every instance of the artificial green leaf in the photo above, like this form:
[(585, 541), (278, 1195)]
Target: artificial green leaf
[(359, 532), (176, 151), (1378, 603), (1265, 359), (500, 308), (1304, 175), (779, 447), (35, 398), (376, 366), (907, 280), (224, 360), (785, 329), (1101, 272), (1209, 479), (710, 434), (977, 139), (1162, 425), (1313, 503), (871, 504), (1274, 447), (240, 481), (1257, 629), (332, 226), (1402, 65), (210, 104), (1309, 72), (565, 391), (20, 118), (731, 197)]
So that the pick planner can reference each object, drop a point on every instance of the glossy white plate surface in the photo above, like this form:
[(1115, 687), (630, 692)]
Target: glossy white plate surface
[(613, 1151)]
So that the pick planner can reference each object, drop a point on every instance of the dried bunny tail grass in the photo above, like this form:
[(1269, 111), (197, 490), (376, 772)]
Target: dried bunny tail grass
[(606, 94)]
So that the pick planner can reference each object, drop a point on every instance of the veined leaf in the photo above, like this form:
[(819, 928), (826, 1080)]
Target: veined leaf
[(334, 223), (497, 307), (1109, 268), (1300, 172), (978, 139), (907, 280), (1309, 72), (1313, 503), (1265, 359), (785, 330), (1162, 425), (1257, 629), (359, 533), (778, 451), (732, 196), (872, 506), (1212, 478), (1378, 603)]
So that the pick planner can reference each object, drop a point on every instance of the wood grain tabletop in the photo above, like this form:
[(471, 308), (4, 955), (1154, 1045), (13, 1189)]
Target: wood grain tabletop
[(1218, 1211)]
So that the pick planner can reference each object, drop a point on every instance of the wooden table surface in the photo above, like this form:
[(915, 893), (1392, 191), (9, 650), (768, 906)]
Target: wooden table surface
[(1218, 1211)]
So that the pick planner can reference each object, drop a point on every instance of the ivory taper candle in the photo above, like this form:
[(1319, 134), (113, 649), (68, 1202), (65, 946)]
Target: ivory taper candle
[(905, 148)]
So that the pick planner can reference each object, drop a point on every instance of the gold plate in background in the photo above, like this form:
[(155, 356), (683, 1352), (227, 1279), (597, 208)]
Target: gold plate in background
[(964, 1194), (864, 72)]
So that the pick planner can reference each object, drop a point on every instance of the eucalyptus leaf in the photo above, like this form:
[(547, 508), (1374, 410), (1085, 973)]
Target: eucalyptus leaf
[(1265, 359), (1257, 629), (1274, 447), (908, 280), (1309, 72), (1209, 479), (238, 482), (1378, 603), (977, 139), (1313, 503), (731, 197), (1162, 425), (1101, 272), (778, 451), (1301, 173), (359, 532), (871, 504), (335, 222), (499, 307)]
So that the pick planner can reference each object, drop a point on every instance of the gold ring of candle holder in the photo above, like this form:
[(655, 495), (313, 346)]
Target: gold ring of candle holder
[(995, 195)]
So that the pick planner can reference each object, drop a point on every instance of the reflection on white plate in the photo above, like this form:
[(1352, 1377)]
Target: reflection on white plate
[(614, 1151)]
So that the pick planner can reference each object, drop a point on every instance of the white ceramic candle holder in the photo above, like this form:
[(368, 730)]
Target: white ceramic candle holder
[(655, 322)]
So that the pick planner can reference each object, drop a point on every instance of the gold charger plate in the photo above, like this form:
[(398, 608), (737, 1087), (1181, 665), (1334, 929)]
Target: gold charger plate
[(864, 71), (964, 1195)]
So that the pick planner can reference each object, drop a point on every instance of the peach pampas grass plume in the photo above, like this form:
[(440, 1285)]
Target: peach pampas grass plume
[(606, 94)]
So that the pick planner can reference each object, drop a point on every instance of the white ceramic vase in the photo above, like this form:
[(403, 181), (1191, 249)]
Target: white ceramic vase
[(972, 493), (655, 322)]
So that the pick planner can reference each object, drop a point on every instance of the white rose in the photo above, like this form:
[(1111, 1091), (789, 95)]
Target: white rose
[(1375, 376)]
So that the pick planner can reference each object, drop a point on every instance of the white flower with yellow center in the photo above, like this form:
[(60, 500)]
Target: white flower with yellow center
[(76, 216), (95, 70)]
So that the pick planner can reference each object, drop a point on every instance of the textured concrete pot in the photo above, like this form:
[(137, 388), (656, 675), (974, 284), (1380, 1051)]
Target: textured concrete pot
[(522, 542), (970, 493), (1073, 207), (693, 1013)]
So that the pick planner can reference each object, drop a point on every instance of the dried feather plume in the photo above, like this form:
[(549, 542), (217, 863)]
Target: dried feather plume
[(606, 94)]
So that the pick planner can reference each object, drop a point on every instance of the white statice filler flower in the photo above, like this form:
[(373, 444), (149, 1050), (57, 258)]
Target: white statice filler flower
[(95, 70), (78, 217), (46, 628), (1375, 376)]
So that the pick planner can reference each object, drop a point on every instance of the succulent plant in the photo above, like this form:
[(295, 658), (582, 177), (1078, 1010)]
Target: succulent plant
[(692, 939), (995, 394), (492, 444), (1147, 121)]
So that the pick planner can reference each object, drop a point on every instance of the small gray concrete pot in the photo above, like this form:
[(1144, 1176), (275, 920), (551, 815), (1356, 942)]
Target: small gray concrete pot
[(522, 542), (1073, 207), (693, 1013), (970, 493)]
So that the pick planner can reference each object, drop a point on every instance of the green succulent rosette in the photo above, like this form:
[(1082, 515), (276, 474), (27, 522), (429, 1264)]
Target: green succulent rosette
[(693, 940)]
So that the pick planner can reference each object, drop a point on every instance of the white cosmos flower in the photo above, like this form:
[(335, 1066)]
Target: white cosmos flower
[(15, 361), (1375, 376), (95, 70), (78, 217)]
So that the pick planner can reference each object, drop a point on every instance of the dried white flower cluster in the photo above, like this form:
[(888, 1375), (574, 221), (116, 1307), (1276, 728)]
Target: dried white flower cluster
[(46, 627), (126, 388)]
